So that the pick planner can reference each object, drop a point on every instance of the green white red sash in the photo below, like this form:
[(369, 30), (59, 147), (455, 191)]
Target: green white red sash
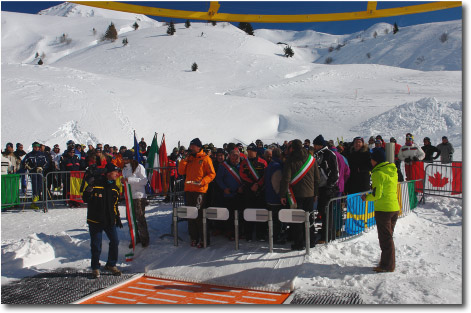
[(252, 170), (131, 217), (297, 178), (232, 171)]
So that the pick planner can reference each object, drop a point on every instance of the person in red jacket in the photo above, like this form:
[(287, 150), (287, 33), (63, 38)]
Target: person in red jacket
[(252, 174)]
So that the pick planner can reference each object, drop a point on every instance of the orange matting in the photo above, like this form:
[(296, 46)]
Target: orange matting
[(150, 290)]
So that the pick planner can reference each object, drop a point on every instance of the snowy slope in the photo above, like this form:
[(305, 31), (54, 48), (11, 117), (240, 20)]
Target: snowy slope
[(67, 9), (419, 47), (244, 87)]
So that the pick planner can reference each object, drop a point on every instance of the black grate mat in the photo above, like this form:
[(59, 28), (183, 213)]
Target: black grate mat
[(59, 287), (327, 298)]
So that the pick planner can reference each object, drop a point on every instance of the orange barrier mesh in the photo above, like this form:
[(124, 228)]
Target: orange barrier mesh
[(150, 290)]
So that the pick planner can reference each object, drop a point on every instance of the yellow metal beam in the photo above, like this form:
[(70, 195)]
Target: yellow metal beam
[(213, 8), (371, 6), (302, 18)]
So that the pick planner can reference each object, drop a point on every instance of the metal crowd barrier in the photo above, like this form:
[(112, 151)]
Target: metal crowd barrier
[(443, 179), (18, 190), (64, 187), (353, 216)]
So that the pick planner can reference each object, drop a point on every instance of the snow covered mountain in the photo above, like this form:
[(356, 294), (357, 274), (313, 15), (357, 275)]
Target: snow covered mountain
[(426, 47), (67, 9), (244, 89)]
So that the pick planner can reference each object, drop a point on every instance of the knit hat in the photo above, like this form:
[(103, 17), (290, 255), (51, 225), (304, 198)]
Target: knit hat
[(252, 147), (319, 141), (18, 144), (127, 155), (110, 167), (378, 155), (221, 150), (36, 144), (9, 145), (196, 142), (358, 138), (444, 137)]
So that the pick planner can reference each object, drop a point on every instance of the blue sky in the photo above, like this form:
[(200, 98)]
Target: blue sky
[(279, 7)]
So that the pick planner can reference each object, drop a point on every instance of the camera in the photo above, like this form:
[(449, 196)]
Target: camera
[(92, 173)]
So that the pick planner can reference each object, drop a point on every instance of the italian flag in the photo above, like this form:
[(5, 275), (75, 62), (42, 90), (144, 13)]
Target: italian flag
[(131, 217), (153, 163), (406, 196)]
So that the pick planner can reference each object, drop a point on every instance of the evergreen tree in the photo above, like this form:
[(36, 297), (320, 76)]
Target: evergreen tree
[(187, 24), (40, 62), (135, 26), (125, 41), (375, 34), (194, 67), (111, 33), (395, 29), (213, 23), (171, 28), (288, 52), (246, 27)]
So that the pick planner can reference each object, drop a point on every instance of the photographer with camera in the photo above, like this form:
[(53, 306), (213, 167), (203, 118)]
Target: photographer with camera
[(102, 197)]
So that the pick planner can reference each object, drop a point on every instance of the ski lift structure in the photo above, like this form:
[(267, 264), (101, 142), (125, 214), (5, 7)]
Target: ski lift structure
[(213, 15)]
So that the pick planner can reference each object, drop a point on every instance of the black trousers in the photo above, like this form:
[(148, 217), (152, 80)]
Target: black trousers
[(323, 208), (298, 229), (195, 226)]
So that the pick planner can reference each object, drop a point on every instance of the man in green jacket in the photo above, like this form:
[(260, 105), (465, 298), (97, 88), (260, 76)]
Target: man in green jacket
[(384, 185)]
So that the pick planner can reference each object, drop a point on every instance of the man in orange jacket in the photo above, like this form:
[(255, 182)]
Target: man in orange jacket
[(199, 171)]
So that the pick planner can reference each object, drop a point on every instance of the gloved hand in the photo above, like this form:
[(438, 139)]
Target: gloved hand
[(408, 160), (89, 188), (415, 158), (28, 167), (39, 169), (118, 222)]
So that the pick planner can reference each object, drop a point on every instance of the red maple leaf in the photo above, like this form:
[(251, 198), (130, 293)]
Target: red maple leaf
[(437, 180)]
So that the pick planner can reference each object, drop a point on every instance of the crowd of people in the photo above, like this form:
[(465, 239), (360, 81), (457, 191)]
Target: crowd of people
[(295, 174)]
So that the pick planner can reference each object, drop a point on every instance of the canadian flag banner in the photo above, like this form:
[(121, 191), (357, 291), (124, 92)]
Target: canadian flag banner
[(444, 178)]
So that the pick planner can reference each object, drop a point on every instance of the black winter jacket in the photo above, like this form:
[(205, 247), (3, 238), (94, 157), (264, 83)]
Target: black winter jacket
[(102, 202), (429, 151), (328, 167), (360, 167)]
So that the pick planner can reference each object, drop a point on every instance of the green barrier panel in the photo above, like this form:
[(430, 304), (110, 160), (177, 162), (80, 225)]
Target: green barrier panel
[(10, 190)]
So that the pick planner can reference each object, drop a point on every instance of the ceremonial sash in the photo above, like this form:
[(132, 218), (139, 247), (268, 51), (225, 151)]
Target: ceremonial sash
[(232, 171), (297, 178), (252, 170), (131, 217)]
